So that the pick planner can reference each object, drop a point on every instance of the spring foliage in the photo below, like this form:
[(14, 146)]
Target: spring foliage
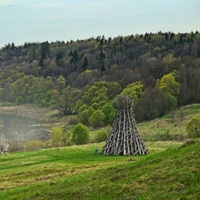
[(80, 134), (152, 68), (193, 127)]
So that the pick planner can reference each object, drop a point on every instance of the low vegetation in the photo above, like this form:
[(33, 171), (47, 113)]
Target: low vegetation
[(193, 127), (171, 126), (171, 171)]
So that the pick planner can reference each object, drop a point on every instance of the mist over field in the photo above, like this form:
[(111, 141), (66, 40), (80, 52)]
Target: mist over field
[(20, 128)]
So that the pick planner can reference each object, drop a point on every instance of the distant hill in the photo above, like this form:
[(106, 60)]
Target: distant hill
[(78, 64), (124, 59)]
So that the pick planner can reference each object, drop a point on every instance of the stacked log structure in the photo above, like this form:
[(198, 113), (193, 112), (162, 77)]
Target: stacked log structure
[(124, 138)]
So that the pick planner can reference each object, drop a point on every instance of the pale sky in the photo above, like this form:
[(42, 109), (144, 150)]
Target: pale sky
[(64, 20)]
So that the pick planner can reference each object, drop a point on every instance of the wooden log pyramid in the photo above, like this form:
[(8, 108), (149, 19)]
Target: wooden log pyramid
[(124, 138)]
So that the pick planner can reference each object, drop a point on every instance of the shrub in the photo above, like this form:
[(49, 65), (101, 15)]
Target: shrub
[(34, 145), (101, 136), (109, 112), (72, 120), (15, 145), (193, 127), (56, 137), (19, 100), (80, 134), (97, 119), (67, 138), (85, 115)]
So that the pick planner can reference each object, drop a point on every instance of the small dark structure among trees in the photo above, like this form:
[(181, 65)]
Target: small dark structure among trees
[(124, 138)]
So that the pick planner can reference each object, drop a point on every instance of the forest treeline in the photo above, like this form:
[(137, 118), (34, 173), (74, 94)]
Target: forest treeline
[(160, 71)]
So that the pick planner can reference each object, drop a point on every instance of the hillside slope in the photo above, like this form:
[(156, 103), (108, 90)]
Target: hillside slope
[(43, 67), (171, 174)]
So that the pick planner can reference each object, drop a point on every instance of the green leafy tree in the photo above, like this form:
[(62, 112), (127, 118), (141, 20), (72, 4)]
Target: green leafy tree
[(109, 112), (32, 89), (93, 93), (23, 87), (134, 90), (67, 138), (85, 115), (157, 39), (60, 83), (168, 89), (166, 103), (169, 84), (84, 78), (101, 96), (66, 101), (95, 98), (69, 97), (147, 107), (168, 59), (102, 88), (56, 137), (193, 127), (101, 136), (97, 119), (80, 134)]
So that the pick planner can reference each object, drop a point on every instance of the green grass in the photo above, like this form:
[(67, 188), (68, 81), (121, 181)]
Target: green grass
[(169, 127), (171, 171)]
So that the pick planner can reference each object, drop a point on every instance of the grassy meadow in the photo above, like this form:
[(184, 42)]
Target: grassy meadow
[(170, 171), (169, 127)]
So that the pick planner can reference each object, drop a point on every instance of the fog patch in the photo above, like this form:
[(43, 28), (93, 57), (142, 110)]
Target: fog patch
[(16, 130)]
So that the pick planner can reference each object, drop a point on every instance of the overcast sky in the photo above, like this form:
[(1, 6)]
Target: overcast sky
[(64, 20)]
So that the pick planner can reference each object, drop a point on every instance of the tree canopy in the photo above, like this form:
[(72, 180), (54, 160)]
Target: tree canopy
[(160, 71)]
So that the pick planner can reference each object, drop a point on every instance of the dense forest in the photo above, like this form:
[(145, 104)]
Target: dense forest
[(160, 71)]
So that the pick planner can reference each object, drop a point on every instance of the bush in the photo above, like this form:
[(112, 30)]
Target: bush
[(67, 138), (15, 145), (57, 137), (34, 145), (101, 136), (109, 112), (193, 127), (72, 120), (80, 134), (19, 100), (97, 119), (85, 115)]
